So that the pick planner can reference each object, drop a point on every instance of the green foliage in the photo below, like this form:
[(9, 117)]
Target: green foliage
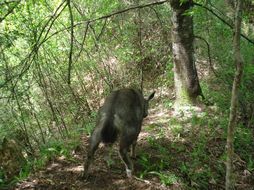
[(177, 130), (23, 174), (244, 142), (166, 178), (111, 53), (1, 177), (250, 163), (159, 166), (149, 167), (195, 155)]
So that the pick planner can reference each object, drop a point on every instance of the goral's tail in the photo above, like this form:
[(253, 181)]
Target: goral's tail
[(109, 132)]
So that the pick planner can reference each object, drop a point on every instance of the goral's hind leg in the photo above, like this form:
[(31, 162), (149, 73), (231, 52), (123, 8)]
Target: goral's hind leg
[(133, 149), (125, 142), (93, 145)]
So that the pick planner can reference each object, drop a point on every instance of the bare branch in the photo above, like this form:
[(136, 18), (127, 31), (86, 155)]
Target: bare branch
[(108, 16), (230, 183), (56, 14), (209, 54), (9, 2), (9, 11), (83, 41), (71, 45), (224, 21), (36, 46)]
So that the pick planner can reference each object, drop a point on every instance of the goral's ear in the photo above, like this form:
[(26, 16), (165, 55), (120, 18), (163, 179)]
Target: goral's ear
[(151, 96)]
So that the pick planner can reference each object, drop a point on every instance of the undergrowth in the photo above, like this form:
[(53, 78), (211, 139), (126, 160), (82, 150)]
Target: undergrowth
[(49, 151), (194, 154)]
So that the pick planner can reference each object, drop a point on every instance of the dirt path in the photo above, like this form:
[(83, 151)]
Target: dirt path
[(64, 173)]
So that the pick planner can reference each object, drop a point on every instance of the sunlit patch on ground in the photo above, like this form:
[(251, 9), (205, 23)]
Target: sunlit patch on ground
[(173, 152)]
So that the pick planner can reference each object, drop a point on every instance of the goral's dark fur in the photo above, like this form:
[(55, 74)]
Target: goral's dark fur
[(120, 116)]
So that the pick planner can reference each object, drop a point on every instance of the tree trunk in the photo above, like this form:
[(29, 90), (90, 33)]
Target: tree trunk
[(187, 86), (230, 184)]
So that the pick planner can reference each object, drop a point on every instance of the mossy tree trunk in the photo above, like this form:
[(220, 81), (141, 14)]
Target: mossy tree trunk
[(230, 184), (186, 80)]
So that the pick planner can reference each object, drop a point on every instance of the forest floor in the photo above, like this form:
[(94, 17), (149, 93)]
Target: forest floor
[(64, 173), (167, 158)]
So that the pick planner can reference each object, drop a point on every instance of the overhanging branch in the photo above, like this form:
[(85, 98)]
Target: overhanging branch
[(107, 16), (9, 11), (40, 41), (71, 45), (224, 21)]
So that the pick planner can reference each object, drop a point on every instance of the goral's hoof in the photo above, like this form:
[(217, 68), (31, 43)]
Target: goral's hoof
[(129, 173)]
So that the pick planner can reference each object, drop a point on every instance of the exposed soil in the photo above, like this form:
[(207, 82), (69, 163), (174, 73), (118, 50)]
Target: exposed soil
[(64, 173)]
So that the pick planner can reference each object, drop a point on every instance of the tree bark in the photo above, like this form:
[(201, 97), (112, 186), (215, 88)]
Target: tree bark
[(230, 184), (187, 87)]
